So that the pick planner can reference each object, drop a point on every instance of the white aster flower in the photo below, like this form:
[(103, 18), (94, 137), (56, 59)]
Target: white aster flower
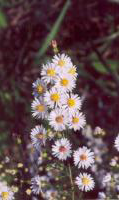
[(51, 194), (49, 73), (58, 119), (106, 179), (6, 192), (77, 121), (53, 98), (39, 108), (65, 83), (37, 184), (83, 157), (72, 72), (62, 61), (116, 143), (99, 131), (38, 136), (101, 195), (72, 102), (85, 182), (39, 87), (62, 149), (113, 162)]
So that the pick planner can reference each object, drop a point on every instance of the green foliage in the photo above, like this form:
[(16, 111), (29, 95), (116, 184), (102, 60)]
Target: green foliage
[(54, 29), (3, 20), (101, 68)]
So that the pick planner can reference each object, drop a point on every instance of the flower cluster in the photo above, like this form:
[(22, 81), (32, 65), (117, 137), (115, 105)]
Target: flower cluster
[(56, 105), (6, 193)]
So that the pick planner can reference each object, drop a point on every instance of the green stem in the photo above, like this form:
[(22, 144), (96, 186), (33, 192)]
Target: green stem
[(71, 180)]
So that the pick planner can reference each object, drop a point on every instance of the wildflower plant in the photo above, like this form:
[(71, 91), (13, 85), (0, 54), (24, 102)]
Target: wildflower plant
[(58, 109)]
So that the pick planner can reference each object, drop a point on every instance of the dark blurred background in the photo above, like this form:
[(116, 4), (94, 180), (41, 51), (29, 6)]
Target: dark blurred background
[(88, 31)]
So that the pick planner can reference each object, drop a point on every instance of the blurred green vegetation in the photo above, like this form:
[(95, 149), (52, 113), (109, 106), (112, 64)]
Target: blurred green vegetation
[(88, 31)]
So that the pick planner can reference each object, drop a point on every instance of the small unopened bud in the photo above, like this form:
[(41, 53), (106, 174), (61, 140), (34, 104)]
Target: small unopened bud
[(54, 45)]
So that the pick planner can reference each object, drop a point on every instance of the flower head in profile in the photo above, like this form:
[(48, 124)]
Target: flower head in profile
[(72, 72), (116, 142), (77, 121), (37, 183), (83, 157), (38, 136), (101, 195), (39, 87), (62, 149), (106, 179), (58, 119), (85, 182), (39, 108)]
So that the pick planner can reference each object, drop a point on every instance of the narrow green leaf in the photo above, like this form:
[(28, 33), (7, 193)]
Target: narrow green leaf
[(54, 30), (3, 21), (100, 68)]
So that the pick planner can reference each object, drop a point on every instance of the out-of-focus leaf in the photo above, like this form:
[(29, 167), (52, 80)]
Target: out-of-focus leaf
[(3, 21), (100, 68), (54, 30)]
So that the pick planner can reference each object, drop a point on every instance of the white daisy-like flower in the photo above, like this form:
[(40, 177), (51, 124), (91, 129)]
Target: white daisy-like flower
[(62, 149), (58, 119), (53, 98), (49, 73), (39, 108), (38, 136), (72, 72), (51, 194), (6, 192), (62, 61), (85, 182), (101, 195), (37, 183), (116, 142), (83, 157), (65, 83), (77, 121), (39, 87), (72, 102), (113, 161), (106, 179)]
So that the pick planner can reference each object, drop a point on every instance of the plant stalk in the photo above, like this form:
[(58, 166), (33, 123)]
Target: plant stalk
[(71, 180)]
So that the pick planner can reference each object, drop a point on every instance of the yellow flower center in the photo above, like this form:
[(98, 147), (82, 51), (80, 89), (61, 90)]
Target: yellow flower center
[(62, 149), (85, 181), (83, 157), (39, 136), (40, 89), (72, 71), (59, 119), (75, 120), (40, 108), (5, 195), (61, 63), (55, 97), (51, 72), (71, 102), (64, 82)]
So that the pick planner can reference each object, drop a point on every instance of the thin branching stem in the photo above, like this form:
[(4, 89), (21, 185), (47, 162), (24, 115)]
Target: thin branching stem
[(71, 180)]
